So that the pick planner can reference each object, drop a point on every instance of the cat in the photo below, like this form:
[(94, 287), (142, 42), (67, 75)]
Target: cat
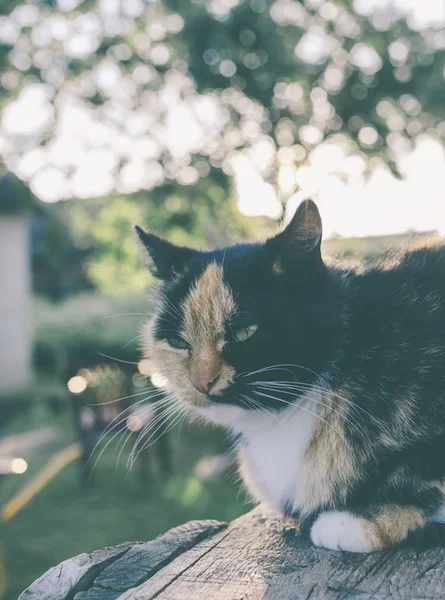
[(330, 381)]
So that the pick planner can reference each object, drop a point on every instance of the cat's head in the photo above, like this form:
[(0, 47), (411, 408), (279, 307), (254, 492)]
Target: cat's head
[(247, 326)]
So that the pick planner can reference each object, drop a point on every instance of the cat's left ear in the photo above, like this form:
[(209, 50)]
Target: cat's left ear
[(165, 259), (300, 241)]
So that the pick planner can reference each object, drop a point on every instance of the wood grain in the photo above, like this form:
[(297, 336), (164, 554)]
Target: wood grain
[(259, 556), (115, 570)]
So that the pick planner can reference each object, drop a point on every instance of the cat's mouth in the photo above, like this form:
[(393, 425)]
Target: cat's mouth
[(221, 398), (262, 395), (244, 393), (231, 406)]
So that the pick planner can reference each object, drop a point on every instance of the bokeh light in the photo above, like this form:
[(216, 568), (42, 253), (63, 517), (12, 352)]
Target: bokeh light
[(134, 423), (159, 381), (77, 385), (19, 466)]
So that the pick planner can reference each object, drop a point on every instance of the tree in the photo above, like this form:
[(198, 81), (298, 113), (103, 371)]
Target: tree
[(165, 96), (105, 224), (295, 73)]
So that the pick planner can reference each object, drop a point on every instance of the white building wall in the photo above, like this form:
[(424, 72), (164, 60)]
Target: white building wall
[(15, 289)]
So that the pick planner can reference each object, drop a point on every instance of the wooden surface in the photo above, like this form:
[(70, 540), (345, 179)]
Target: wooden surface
[(256, 557)]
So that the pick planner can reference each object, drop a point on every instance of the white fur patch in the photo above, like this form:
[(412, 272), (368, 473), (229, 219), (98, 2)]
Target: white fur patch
[(221, 414), (340, 530), (271, 456), (272, 450)]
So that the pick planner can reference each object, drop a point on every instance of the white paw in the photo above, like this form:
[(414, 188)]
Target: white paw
[(340, 531)]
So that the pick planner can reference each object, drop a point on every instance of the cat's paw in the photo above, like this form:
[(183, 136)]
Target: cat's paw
[(341, 530)]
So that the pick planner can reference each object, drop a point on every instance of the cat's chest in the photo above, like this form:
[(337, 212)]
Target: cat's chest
[(272, 458)]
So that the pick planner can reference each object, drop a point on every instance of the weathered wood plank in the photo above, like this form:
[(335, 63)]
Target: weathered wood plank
[(265, 558), (79, 572), (105, 574), (142, 561), (161, 580), (259, 556)]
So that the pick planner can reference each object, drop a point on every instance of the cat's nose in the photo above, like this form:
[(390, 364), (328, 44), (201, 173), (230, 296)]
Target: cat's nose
[(204, 381)]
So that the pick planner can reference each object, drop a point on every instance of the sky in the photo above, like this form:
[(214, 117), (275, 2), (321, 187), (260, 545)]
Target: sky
[(378, 205), (350, 203)]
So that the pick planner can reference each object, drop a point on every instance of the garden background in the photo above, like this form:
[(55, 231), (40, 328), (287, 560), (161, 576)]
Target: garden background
[(207, 121)]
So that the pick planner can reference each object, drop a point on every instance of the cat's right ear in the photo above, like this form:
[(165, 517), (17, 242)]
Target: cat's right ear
[(165, 259), (300, 241)]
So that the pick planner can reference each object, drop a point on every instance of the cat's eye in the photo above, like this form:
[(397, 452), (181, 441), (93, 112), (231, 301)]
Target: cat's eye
[(176, 342), (244, 333)]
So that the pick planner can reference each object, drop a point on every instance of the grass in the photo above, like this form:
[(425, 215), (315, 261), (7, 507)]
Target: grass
[(65, 519)]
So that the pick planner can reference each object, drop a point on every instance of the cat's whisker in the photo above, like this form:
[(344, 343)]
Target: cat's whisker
[(353, 419), (169, 305), (115, 423), (121, 423), (246, 374), (119, 360), (313, 386), (294, 387), (299, 406), (353, 405), (174, 422), (140, 393), (244, 401), (174, 413), (347, 418), (126, 437), (165, 404), (279, 367), (148, 397), (261, 408), (121, 428), (119, 431), (257, 404), (155, 424), (174, 324), (137, 337), (184, 417), (151, 423), (167, 311), (170, 401)]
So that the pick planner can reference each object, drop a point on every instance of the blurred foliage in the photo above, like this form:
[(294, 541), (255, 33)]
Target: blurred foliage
[(286, 71), (115, 267), (106, 225), (87, 330), (154, 103), (58, 262), (16, 197)]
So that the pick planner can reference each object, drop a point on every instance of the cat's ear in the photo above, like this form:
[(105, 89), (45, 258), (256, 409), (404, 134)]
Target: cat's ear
[(165, 259), (300, 241)]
